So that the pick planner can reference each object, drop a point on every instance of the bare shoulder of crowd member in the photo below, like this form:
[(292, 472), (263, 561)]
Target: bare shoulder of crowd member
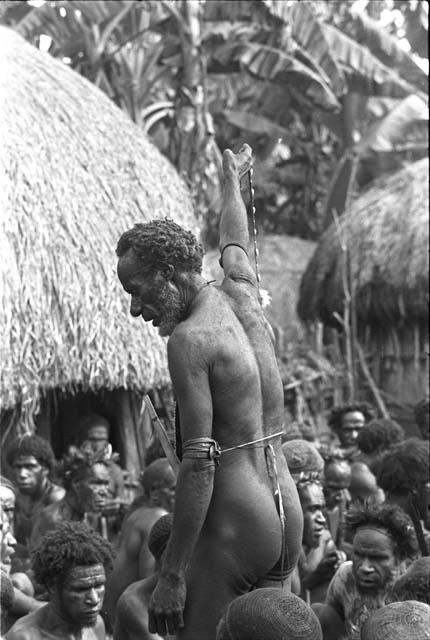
[(71, 562), (227, 528)]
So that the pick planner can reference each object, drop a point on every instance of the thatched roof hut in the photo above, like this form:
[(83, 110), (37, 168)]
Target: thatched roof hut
[(76, 173), (386, 233)]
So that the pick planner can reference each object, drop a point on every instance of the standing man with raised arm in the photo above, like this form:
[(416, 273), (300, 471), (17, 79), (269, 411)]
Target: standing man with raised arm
[(234, 487)]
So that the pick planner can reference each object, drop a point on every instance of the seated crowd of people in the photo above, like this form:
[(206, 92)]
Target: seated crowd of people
[(76, 555)]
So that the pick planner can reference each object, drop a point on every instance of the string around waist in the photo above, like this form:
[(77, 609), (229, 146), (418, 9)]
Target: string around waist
[(248, 444)]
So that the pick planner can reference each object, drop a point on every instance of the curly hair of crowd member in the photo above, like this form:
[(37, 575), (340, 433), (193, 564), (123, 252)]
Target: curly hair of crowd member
[(405, 467), (31, 445), (335, 418), (77, 462), (379, 434), (162, 242), (69, 545), (390, 518)]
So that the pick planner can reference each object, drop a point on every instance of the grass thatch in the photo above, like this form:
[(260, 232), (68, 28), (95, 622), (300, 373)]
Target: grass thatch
[(386, 231), (76, 173)]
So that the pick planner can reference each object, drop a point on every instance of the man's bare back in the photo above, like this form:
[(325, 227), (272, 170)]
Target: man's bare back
[(227, 532)]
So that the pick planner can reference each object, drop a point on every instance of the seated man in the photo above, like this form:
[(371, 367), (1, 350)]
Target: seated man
[(32, 461), (375, 438), (87, 480), (71, 562), (131, 622), (94, 433), (320, 558), (346, 422), (134, 560), (414, 584), (268, 614), (398, 621), (383, 539)]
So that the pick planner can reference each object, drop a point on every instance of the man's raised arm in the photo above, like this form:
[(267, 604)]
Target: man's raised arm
[(234, 235)]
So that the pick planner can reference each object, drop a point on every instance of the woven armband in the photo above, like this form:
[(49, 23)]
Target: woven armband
[(205, 448), (231, 244)]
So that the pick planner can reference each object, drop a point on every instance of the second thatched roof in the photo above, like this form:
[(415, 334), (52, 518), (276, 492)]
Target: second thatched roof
[(386, 232), (77, 173)]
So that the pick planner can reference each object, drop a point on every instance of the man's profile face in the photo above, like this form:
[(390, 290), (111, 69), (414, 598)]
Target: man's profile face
[(351, 423), (80, 597), (374, 561), (165, 493), (314, 522), (152, 296), (93, 489), (29, 474), (98, 437)]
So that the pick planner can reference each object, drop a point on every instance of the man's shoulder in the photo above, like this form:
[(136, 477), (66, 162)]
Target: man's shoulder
[(55, 494), (26, 628)]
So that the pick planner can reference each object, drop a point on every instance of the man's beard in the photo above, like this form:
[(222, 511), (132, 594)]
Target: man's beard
[(171, 311)]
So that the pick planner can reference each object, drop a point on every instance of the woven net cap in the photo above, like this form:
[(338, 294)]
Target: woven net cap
[(269, 614), (302, 457), (409, 620)]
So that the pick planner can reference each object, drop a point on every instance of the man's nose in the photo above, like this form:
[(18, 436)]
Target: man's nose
[(354, 434), (367, 566), (10, 540), (320, 518), (135, 308), (93, 596), (22, 472)]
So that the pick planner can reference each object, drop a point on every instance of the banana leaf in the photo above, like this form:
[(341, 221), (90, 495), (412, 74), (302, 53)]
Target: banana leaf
[(387, 48), (256, 124)]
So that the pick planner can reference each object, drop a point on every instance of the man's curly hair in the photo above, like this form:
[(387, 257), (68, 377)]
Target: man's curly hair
[(413, 584), (405, 467), (77, 463), (31, 445), (69, 545), (379, 434), (162, 242), (335, 418), (389, 517)]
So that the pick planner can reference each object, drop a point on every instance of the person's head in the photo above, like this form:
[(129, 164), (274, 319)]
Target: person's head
[(94, 430), (159, 537), (87, 478), (71, 562), (363, 486), (337, 478), (312, 499), (159, 484), (407, 620), (378, 435), (421, 414), (347, 421), (268, 614), (155, 260), (7, 542), (404, 473), (303, 459), (7, 497), (32, 461), (414, 584), (383, 537)]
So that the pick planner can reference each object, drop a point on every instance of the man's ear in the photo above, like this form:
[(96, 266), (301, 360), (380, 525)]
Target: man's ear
[(168, 271)]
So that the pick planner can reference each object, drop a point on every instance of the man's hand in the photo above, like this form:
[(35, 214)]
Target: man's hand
[(167, 605)]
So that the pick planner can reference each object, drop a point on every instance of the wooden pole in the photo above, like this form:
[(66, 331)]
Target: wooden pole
[(365, 369)]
